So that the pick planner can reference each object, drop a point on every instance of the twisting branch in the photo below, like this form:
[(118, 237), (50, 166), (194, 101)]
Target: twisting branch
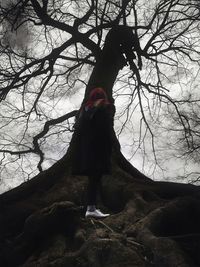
[(52, 122), (21, 77), (45, 130), (78, 36), (36, 147)]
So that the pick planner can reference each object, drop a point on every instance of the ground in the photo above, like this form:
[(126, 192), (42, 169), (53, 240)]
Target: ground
[(42, 223)]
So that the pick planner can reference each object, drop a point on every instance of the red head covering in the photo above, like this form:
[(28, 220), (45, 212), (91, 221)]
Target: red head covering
[(97, 97)]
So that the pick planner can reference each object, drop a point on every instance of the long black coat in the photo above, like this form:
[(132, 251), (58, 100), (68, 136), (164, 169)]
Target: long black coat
[(93, 146)]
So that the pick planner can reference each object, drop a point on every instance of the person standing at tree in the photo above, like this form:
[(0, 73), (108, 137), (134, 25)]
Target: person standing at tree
[(92, 155)]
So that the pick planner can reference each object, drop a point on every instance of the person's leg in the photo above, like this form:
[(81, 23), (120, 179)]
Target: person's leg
[(94, 183), (94, 187)]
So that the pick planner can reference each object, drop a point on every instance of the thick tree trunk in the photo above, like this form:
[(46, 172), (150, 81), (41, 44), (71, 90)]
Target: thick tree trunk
[(104, 75), (152, 223)]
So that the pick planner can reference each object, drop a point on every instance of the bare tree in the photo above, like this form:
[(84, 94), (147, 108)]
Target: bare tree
[(50, 48), (146, 56)]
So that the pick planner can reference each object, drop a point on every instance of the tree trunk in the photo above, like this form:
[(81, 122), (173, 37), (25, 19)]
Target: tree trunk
[(152, 223)]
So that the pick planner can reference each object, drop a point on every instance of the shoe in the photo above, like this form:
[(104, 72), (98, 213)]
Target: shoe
[(96, 214)]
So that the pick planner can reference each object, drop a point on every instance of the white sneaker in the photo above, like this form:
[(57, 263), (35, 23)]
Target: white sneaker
[(96, 214)]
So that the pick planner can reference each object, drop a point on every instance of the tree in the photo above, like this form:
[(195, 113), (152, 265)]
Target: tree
[(48, 50), (67, 39)]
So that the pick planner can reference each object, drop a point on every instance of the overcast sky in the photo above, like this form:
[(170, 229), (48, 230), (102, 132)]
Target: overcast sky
[(165, 163)]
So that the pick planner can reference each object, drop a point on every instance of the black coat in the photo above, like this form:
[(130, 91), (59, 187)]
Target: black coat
[(93, 145)]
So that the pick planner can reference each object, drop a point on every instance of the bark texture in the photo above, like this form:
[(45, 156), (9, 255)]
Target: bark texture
[(152, 223)]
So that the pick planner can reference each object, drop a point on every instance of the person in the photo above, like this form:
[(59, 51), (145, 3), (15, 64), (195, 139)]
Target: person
[(94, 146)]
